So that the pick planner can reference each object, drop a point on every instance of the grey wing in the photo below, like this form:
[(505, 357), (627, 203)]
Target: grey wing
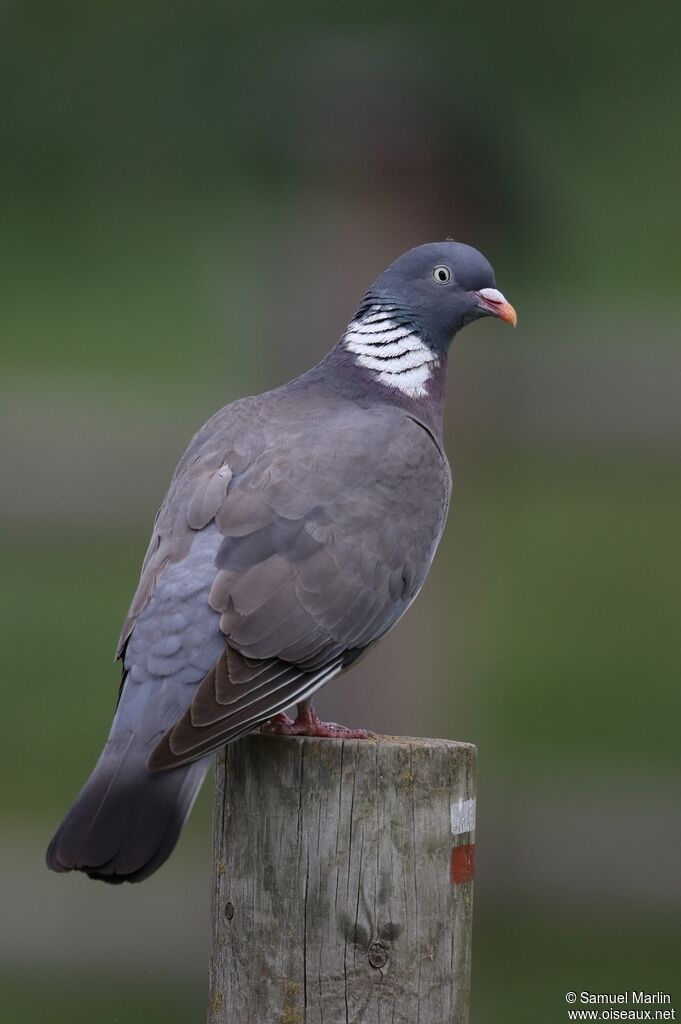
[(322, 542), (222, 448)]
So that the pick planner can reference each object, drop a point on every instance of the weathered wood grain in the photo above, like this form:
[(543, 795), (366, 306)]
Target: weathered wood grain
[(335, 900)]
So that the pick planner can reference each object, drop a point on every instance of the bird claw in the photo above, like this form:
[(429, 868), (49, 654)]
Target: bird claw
[(307, 723), (279, 725)]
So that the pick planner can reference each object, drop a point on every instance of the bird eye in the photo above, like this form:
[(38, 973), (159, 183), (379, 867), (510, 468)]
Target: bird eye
[(442, 275)]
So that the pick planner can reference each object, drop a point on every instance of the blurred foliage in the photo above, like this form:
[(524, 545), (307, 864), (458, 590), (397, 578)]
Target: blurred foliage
[(526, 962), (579, 595), (560, 127), (62, 998)]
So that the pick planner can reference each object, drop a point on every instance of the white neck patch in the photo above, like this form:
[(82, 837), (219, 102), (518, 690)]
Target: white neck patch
[(396, 354)]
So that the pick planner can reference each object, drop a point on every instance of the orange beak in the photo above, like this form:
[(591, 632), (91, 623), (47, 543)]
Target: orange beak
[(494, 303)]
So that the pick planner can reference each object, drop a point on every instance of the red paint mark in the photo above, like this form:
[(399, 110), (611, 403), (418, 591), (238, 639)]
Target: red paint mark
[(463, 863)]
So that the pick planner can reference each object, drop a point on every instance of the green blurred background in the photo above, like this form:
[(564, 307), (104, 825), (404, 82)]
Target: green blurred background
[(193, 201)]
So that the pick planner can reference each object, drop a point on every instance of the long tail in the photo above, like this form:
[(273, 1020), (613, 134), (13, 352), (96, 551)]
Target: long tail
[(126, 820)]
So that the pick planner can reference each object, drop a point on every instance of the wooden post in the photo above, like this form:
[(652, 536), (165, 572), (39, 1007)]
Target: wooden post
[(343, 881)]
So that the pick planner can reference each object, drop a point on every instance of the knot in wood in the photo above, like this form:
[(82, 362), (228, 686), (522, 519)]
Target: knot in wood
[(229, 911), (378, 955)]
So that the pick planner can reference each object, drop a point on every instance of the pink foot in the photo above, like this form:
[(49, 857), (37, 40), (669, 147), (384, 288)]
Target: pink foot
[(307, 723), (279, 725)]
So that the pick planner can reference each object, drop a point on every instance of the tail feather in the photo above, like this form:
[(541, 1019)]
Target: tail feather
[(126, 820)]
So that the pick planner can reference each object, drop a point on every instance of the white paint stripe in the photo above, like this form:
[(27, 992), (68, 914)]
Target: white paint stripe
[(462, 816)]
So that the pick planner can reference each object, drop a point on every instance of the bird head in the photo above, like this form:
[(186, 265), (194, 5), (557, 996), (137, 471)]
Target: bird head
[(439, 288)]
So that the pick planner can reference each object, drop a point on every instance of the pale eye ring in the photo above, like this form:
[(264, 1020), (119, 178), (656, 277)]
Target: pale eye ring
[(442, 275)]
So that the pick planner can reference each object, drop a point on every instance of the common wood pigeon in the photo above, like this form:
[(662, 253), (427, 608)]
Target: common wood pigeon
[(298, 527)]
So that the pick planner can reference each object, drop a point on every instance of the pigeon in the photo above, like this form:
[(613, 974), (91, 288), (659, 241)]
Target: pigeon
[(299, 526)]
